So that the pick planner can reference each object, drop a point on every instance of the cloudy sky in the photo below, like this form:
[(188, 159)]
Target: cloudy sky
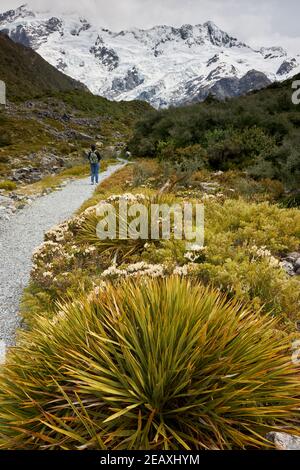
[(257, 22)]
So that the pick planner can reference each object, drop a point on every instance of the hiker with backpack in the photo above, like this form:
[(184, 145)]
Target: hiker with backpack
[(94, 158)]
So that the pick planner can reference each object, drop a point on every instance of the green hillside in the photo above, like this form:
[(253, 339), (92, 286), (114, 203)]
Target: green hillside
[(27, 74), (49, 113), (258, 133)]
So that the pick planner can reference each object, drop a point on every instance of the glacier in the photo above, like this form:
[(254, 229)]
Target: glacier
[(164, 65)]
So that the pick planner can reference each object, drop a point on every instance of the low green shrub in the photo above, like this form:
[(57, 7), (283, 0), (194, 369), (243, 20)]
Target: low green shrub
[(234, 230), (78, 170), (258, 132), (4, 158), (8, 185), (5, 140), (291, 200)]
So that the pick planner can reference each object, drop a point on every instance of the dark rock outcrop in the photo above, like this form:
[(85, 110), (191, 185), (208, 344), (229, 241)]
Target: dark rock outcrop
[(287, 66), (131, 80), (107, 56), (224, 88)]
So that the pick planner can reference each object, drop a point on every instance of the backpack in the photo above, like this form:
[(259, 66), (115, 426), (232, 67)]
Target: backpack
[(93, 157)]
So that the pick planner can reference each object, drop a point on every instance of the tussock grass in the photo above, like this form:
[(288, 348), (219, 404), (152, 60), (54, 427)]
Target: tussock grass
[(162, 364), (120, 247)]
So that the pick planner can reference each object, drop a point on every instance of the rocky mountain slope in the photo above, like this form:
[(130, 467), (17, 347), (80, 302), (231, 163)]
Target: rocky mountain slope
[(45, 135), (163, 65)]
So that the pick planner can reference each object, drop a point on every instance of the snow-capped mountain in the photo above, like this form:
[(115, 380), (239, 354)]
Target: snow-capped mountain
[(162, 65)]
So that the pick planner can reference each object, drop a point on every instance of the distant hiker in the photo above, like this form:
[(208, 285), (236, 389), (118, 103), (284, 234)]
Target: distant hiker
[(94, 158)]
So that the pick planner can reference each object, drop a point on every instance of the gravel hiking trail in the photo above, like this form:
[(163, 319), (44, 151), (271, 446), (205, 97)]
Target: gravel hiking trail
[(22, 234)]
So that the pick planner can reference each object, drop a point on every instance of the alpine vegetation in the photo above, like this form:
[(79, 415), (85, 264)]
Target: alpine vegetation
[(158, 364), (151, 221), (164, 313)]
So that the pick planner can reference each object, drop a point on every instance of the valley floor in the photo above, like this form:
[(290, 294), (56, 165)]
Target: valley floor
[(151, 344), (22, 234)]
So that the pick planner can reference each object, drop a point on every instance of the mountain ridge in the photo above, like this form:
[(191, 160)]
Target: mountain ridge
[(157, 65)]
